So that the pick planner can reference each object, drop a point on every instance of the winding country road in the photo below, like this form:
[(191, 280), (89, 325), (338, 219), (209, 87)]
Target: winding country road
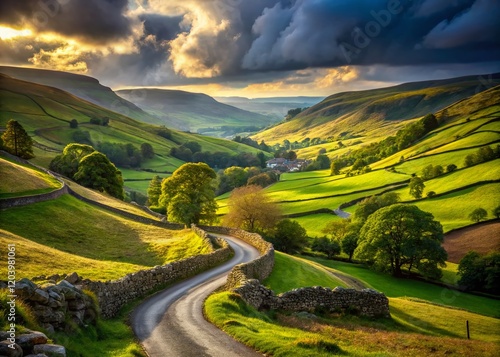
[(171, 323)]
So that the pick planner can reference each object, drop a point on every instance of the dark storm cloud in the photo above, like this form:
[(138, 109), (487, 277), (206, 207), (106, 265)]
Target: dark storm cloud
[(334, 33), (96, 21), (162, 27)]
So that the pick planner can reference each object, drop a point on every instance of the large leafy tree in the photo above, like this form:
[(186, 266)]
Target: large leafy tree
[(289, 236), (189, 194), (16, 140), (416, 187), (67, 163), (97, 172), (403, 236), (480, 272), (251, 209)]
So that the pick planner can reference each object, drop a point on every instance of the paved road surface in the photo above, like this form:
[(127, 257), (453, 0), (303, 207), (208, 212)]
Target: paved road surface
[(171, 323)]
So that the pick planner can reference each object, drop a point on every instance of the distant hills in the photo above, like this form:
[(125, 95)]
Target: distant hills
[(195, 112), (84, 87), (274, 107), (376, 112)]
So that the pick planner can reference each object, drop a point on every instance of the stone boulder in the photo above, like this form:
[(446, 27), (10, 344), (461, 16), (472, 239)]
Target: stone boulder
[(6, 351), (50, 350), (29, 340)]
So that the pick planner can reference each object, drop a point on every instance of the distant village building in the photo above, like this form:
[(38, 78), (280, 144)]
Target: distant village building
[(285, 165)]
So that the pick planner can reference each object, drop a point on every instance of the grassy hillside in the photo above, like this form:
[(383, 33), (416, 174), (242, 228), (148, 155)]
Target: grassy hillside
[(21, 180), (193, 111), (465, 127), (84, 87), (45, 112), (373, 113), (90, 240), (425, 319)]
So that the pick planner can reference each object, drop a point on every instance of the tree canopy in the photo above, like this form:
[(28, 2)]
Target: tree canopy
[(250, 209), (416, 187), (154, 191), (189, 194), (97, 172), (402, 236), (289, 236), (16, 140), (67, 163)]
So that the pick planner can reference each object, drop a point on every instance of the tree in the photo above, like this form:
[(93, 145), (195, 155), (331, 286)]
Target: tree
[(350, 243), (97, 172), (326, 245), (262, 180), (189, 194), (289, 236), (73, 124), (335, 167), (496, 212), (337, 229), (193, 146), (416, 187), (67, 163), (429, 122), (147, 151), (236, 176), (451, 168), (480, 273), (478, 215), (154, 191), (16, 140), (371, 204), (323, 162), (251, 209), (402, 236)]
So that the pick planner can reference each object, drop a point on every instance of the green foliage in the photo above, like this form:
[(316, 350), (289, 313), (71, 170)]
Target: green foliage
[(147, 151), (16, 140), (482, 154), (478, 215), (496, 212), (289, 236), (451, 168), (400, 236), (372, 204), (251, 209), (416, 187), (263, 180), (335, 167), (189, 194), (154, 191), (81, 137), (97, 172), (73, 124), (121, 154), (320, 163), (480, 273), (430, 171), (350, 243), (67, 163), (329, 246)]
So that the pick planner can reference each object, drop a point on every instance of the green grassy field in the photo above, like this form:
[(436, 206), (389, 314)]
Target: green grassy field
[(99, 245), (20, 180)]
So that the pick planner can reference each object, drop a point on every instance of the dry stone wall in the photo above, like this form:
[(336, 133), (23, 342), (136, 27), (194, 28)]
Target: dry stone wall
[(113, 295), (245, 280)]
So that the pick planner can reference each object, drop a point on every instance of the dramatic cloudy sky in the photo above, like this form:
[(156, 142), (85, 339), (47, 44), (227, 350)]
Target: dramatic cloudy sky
[(254, 47)]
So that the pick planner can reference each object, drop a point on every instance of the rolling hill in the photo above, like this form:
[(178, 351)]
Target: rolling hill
[(84, 87), (45, 112), (274, 107), (195, 112), (374, 113)]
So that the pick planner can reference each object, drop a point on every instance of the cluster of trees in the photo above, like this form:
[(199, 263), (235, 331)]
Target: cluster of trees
[(89, 168), (247, 141), (306, 142), (292, 113), (164, 132), (483, 154), (126, 155), (99, 121), (389, 236), (81, 137), (231, 130), (16, 141), (191, 152), (403, 139), (321, 162), (235, 176), (480, 273)]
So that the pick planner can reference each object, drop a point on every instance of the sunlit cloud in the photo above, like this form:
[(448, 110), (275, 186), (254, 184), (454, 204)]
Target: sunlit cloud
[(8, 33)]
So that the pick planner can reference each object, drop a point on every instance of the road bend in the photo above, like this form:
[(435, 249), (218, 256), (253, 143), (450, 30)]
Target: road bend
[(171, 323)]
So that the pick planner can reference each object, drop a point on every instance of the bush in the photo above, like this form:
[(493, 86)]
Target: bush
[(289, 237), (431, 194), (478, 215), (326, 245)]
